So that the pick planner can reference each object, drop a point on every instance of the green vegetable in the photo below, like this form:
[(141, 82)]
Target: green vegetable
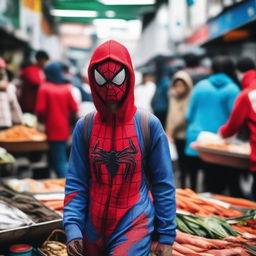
[(249, 215), (210, 227)]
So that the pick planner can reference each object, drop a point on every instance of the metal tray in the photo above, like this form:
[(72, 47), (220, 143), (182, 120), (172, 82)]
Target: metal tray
[(223, 157), (36, 232)]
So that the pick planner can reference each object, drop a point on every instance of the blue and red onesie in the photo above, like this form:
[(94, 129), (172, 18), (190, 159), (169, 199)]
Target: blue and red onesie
[(107, 201)]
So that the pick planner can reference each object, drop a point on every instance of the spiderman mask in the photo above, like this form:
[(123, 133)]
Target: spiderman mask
[(110, 79)]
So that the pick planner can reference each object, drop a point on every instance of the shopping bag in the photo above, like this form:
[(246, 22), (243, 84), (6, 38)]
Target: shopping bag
[(173, 151)]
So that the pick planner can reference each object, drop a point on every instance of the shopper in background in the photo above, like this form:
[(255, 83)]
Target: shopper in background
[(160, 99), (209, 108), (194, 69), (180, 88), (244, 113), (80, 91), (68, 76), (10, 111), (32, 76), (55, 105), (243, 65), (145, 92)]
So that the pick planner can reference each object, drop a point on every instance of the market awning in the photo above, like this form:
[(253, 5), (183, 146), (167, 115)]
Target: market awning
[(87, 11)]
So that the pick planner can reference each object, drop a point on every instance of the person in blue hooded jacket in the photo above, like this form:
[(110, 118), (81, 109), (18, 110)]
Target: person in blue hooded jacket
[(209, 108)]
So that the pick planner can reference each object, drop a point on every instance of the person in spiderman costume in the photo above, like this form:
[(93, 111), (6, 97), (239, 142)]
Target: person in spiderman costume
[(108, 209)]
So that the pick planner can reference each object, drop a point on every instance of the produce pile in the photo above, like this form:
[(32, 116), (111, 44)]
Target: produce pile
[(190, 202), (208, 228), (36, 186), (214, 141), (186, 244), (21, 133), (237, 202)]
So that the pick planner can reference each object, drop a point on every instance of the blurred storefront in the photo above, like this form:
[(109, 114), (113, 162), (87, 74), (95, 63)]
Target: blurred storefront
[(26, 26), (225, 27)]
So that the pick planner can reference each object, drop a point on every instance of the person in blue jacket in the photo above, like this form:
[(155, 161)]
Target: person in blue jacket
[(209, 108), (108, 208)]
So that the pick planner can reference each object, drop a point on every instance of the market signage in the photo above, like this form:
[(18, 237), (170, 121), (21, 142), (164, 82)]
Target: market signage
[(235, 18), (232, 19)]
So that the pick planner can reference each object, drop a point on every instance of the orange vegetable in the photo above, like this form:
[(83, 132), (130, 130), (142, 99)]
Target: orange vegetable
[(190, 202), (238, 202)]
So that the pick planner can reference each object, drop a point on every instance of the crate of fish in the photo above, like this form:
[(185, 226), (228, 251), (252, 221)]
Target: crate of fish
[(24, 219)]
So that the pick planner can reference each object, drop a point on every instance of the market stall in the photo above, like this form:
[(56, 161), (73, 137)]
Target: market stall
[(22, 141), (207, 224), (213, 149), (30, 211)]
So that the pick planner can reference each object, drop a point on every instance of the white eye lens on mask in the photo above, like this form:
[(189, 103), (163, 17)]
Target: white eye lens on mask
[(119, 78), (100, 80)]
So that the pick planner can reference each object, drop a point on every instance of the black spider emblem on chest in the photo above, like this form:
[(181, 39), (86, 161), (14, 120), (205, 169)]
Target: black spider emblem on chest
[(113, 159)]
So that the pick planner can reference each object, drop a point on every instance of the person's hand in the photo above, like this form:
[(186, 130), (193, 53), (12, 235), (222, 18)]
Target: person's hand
[(162, 250), (75, 247)]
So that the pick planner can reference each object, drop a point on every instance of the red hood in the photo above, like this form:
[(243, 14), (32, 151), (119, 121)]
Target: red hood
[(116, 52), (249, 79), (32, 75)]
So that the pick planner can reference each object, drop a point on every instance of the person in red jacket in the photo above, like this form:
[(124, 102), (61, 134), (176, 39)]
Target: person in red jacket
[(55, 105), (32, 76), (244, 113)]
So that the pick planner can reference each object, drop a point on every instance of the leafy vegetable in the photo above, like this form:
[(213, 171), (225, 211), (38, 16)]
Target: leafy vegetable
[(210, 227)]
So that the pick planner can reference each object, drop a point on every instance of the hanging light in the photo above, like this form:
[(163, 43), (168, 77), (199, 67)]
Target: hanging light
[(74, 13), (128, 2)]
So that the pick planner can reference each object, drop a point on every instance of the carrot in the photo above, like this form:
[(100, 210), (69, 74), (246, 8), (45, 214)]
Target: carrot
[(232, 239), (183, 238), (193, 207), (240, 202), (194, 248), (229, 252), (175, 253), (219, 243), (189, 201), (181, 249), (244, 229)]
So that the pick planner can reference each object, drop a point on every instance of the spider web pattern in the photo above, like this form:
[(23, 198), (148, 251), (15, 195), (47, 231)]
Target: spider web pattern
[(111, 198), (111, 92)]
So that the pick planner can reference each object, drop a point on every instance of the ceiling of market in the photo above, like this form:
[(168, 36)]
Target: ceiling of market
[(101, 9)]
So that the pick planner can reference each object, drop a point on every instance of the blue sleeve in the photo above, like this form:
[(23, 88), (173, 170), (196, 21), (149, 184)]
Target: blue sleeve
[(163, 187), (77, 186)]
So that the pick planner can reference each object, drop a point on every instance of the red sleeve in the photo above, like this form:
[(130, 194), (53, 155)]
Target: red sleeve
[(41, 104), (238, 116), (72, 103)]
